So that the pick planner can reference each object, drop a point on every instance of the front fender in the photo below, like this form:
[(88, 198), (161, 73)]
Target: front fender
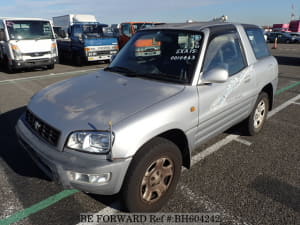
[(173, 113)]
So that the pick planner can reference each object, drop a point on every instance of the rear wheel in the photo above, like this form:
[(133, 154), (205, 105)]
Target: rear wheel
[(152, 176), (257, 118)]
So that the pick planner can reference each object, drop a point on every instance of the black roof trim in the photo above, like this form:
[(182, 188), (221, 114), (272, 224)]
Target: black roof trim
[(250, 26)]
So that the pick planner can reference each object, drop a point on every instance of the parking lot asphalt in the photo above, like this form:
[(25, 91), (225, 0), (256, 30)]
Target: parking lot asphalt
[(248, 180)]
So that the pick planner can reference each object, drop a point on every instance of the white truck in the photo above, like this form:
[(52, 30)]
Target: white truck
[(27, 43), (82, 39)]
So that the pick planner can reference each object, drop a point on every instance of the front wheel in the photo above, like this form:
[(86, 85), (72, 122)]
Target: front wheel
[(257, 118), (152, 176), (79, 61)]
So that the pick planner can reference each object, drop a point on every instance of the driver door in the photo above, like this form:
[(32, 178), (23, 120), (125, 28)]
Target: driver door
[(221, 105)]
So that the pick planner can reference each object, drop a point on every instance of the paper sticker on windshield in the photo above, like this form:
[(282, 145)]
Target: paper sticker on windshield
[(183, 57), (186, 51)]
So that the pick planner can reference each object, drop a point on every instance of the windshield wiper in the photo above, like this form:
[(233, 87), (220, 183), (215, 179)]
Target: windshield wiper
[(164, 77), (123, 70)]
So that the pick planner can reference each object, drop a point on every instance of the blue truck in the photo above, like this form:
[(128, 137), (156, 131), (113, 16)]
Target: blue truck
[(81, 39)]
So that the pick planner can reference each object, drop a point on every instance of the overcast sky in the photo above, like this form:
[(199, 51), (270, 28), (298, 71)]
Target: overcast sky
[(261, 12)]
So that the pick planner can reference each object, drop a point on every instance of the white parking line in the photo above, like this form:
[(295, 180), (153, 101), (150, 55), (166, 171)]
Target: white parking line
[(11, 203), (215, 147), (210, 150), (243, 141), (296, 103), (210, 206), (46, 76), (284, 105)]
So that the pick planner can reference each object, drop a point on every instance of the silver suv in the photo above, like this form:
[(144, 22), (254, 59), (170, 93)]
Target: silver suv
[(132, 126)]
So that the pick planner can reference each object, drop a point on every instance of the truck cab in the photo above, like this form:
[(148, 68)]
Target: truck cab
[(84, 40), (128, 29), (27, 43)]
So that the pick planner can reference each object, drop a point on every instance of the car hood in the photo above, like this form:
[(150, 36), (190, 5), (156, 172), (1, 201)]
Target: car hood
[(91, 101)]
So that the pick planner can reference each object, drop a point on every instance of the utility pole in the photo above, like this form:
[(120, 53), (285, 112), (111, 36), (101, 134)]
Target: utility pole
[(293, 12)]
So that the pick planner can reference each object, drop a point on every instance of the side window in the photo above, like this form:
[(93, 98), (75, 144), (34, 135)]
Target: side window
[(258, 43), (77, 31), (126, 29), (2, 32), (225, 51)]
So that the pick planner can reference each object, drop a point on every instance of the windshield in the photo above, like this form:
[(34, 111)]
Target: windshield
[(161, 55), (20, 30), (94, 31)]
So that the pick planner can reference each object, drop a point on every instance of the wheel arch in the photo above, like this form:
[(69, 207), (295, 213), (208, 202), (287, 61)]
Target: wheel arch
[(269, 90), (177, 137)]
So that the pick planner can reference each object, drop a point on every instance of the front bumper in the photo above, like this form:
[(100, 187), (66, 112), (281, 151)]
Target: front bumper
[(31, 63), (56, 163), (98, 58)]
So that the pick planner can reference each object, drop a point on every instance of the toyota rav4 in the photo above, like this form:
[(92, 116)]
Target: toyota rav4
[(131, 127)]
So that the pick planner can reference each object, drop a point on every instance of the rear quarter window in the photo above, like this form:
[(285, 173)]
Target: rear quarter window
[(258, 42)]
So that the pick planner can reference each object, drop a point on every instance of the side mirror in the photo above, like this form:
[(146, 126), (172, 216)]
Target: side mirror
[(69, 32), (80, 37), (216, 75), (2, 35)]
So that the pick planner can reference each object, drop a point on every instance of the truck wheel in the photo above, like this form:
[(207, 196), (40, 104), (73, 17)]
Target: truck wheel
[(78, 60), (152, 176), (50, 67), (8, 68), (258, 116)]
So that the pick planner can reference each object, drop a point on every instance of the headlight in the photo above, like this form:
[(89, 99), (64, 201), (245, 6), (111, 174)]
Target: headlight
[(92, 54), (17, 52), (54, 49), (93, 142)]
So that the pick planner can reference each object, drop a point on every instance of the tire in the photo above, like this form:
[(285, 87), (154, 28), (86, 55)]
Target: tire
[(50, 67), (5, 65), (287, 41), (78, 60), (146, 172), (258, 116), (9, 68)]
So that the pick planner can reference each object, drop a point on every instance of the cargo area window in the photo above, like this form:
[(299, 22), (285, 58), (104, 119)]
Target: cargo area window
[(258, 43)]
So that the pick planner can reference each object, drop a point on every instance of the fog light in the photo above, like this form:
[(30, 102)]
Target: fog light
[(89, 178)]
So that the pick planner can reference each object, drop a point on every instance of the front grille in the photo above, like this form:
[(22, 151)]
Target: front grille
[(36, 54), (103, 52), (43, 130)]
